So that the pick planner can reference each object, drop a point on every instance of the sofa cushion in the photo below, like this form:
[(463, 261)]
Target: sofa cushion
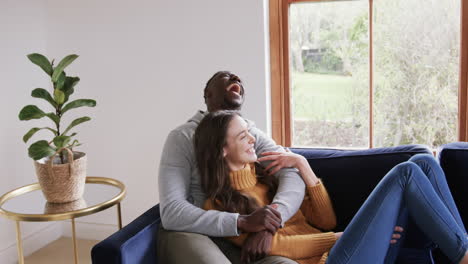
[(351, 175)]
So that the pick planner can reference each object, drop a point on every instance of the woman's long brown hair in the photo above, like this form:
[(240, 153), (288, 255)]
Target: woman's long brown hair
[(210, 139)]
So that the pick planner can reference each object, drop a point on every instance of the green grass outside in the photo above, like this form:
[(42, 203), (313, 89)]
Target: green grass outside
[(321, 96)]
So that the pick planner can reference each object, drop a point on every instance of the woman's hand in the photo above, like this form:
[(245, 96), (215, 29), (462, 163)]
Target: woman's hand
[(288, 159), (281, 160), (338, 235), (394, 239), (396, 236)]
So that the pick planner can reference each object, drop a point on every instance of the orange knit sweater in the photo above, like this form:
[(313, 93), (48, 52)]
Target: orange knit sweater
[(300, 238)]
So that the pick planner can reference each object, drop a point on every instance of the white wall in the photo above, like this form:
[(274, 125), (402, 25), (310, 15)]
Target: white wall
[(146, 63), (22, 31)]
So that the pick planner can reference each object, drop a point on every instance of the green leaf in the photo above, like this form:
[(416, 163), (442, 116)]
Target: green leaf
[(41, 61), (31, 112), (75, 143), (70, 83), (40, 149), (76, 122), (62, 65), (33, 131), (54, 118), (61, 141), (59, 96), (51, 130), (61, 81), (78, 103), (44, 94), (30, 133)]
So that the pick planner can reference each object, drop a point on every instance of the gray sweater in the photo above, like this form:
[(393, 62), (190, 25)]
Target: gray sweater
[(181, 195)]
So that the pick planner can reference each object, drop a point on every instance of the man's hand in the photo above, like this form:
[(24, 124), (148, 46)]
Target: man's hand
[(256, 246), (265, 218)]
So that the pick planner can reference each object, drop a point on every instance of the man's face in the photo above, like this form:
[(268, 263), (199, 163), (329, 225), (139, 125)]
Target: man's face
[(224, 92)]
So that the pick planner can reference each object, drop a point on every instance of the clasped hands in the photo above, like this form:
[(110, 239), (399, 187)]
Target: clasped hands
[(262, 224)]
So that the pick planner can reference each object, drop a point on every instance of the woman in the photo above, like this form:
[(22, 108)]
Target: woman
[(231, 181)]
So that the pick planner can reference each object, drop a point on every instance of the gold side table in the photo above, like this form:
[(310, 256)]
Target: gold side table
[(28, 204)]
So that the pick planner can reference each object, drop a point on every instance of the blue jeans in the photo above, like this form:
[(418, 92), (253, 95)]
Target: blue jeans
[(415, 189)]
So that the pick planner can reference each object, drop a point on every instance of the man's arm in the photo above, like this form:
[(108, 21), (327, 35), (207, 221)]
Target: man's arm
[(291, 187), (174, 184), (174, 190)]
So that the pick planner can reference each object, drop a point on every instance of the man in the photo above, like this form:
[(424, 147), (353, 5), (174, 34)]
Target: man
[(181, 195)]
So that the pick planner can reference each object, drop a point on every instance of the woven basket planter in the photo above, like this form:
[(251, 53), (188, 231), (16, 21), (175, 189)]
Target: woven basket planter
[(62, 183)]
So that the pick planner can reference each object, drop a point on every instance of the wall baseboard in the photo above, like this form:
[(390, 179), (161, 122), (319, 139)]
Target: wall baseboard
[(52, 232), (89, 231), (32, 242)]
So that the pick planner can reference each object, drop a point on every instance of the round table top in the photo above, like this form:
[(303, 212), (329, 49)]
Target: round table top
[(27, 203)]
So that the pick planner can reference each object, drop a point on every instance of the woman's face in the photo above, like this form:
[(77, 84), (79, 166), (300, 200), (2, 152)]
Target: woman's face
[(239, 149)]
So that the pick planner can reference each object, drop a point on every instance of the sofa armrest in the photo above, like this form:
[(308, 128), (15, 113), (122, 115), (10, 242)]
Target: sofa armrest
[(135, 243), (453, 159)]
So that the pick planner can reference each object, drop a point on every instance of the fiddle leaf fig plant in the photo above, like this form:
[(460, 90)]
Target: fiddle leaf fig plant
[(63, 87)]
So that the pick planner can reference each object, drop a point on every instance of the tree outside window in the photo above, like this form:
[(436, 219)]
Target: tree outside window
[(415, 70)]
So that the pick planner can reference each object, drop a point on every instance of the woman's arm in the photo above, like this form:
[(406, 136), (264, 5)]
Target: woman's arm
[(317, 208)]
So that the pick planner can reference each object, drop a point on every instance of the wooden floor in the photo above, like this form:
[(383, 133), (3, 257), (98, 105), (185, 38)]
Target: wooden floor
[(61, 252)]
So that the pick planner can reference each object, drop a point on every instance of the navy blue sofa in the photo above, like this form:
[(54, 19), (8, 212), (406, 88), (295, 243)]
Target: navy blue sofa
[(350, 176)]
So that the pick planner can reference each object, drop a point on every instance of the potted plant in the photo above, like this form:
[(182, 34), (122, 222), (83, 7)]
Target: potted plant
[(60, 170)]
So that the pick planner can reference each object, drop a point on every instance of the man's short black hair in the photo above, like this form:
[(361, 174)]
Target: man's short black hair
[(211, 79)]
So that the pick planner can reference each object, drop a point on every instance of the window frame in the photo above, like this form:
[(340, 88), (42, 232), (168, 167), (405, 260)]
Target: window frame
[(280, 81)]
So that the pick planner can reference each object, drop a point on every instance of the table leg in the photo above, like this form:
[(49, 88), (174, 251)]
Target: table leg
[(119, 215), (75, 252), (19, 243)]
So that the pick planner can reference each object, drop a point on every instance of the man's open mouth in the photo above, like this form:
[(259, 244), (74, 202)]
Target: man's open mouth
[(235, 88)]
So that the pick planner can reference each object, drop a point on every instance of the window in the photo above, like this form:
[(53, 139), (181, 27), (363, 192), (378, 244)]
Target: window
[(329, 76), (342, 80)]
